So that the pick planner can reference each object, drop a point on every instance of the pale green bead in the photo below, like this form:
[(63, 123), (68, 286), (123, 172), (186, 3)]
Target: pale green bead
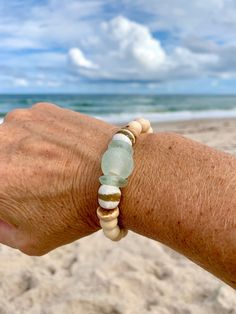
[(113, 180), (122, 144), (117, 161)]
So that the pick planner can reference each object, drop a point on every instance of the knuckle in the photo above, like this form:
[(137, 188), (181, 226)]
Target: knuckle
[(17, 114), (43, 106)]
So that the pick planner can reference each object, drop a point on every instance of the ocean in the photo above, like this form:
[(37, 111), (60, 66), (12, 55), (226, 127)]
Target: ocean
[(123, 108)]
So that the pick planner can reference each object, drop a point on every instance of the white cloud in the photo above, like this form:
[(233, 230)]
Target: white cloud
[(132, 53), (153, 40), (78, 59), (125, 50), (135, 41)]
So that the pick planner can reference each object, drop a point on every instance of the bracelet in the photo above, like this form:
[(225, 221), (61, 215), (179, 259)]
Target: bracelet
[(117, 165)]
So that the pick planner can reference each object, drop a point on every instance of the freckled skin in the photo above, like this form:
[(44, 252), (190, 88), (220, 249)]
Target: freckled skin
[(181, 193), (187, 200), (48, 154)]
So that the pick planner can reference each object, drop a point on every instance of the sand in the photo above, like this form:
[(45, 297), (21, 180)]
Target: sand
[(135, 276)]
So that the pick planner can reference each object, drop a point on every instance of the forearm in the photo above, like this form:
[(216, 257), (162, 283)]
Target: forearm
[(182, 194)]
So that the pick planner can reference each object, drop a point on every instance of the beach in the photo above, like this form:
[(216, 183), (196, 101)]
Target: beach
[(134, 276)]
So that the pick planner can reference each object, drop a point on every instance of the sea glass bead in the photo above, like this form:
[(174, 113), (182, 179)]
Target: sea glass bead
[(145, 124), (122, 137), (122, 144), (107, 215), (117, 161), (113, 180), (108, 196)]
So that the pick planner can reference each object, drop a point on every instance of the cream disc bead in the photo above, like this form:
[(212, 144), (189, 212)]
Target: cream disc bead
[(121, 137), (122, 234), (107, 215), (113, 233), (108, 225), (150, 130), (109, 196), (135, 127), (145, 124)]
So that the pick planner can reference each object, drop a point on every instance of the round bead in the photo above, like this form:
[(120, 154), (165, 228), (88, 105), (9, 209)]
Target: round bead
[(117, 161), (109, 196), (112, 234), (122, 234), (145, 124), (150, 130), (109, 224), (121, 144), (113, 180), (122, 137), (107, 215), (135, 127), (127, 133)]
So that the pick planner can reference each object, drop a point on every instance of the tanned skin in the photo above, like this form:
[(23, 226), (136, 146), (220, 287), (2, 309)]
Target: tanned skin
[(181, 193)]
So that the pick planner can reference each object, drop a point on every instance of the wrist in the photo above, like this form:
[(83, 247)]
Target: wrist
[(90, 172), (130, 208)]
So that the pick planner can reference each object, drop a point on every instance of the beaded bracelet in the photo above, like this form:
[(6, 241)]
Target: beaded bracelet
[(117, 165)]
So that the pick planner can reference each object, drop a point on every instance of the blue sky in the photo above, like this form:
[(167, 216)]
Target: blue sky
[(100, 46)]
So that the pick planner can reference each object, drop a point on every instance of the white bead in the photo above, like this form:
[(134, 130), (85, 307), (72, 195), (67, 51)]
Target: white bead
[(108, 204), (108, 225), (108, 190), (150, 130), (112, 234), (145, 124), (122, 137)]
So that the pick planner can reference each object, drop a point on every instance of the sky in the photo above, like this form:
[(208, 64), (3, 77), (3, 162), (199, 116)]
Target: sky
[(118, 46)]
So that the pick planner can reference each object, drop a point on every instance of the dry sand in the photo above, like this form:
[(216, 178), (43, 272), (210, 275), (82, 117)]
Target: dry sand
[(135, 276)]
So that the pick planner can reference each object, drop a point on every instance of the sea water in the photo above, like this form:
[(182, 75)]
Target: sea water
[(123, 108)]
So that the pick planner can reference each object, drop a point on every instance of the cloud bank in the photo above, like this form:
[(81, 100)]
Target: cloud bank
[(132, 53), (154, 42)]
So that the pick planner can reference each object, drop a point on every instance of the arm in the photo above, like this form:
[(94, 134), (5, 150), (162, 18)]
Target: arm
[(183, 194)]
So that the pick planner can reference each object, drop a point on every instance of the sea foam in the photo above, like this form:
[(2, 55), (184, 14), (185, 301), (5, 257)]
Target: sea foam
[(169, 116)]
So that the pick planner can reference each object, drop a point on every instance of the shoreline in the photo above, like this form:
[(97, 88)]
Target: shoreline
[(193, 123), (163, 125)]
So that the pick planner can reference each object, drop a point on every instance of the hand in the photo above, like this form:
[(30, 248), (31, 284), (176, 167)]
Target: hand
[(49, 169)]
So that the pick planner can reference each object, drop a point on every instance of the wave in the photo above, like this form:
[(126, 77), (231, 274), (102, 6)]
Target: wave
[(123, 118), (169, 116)]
